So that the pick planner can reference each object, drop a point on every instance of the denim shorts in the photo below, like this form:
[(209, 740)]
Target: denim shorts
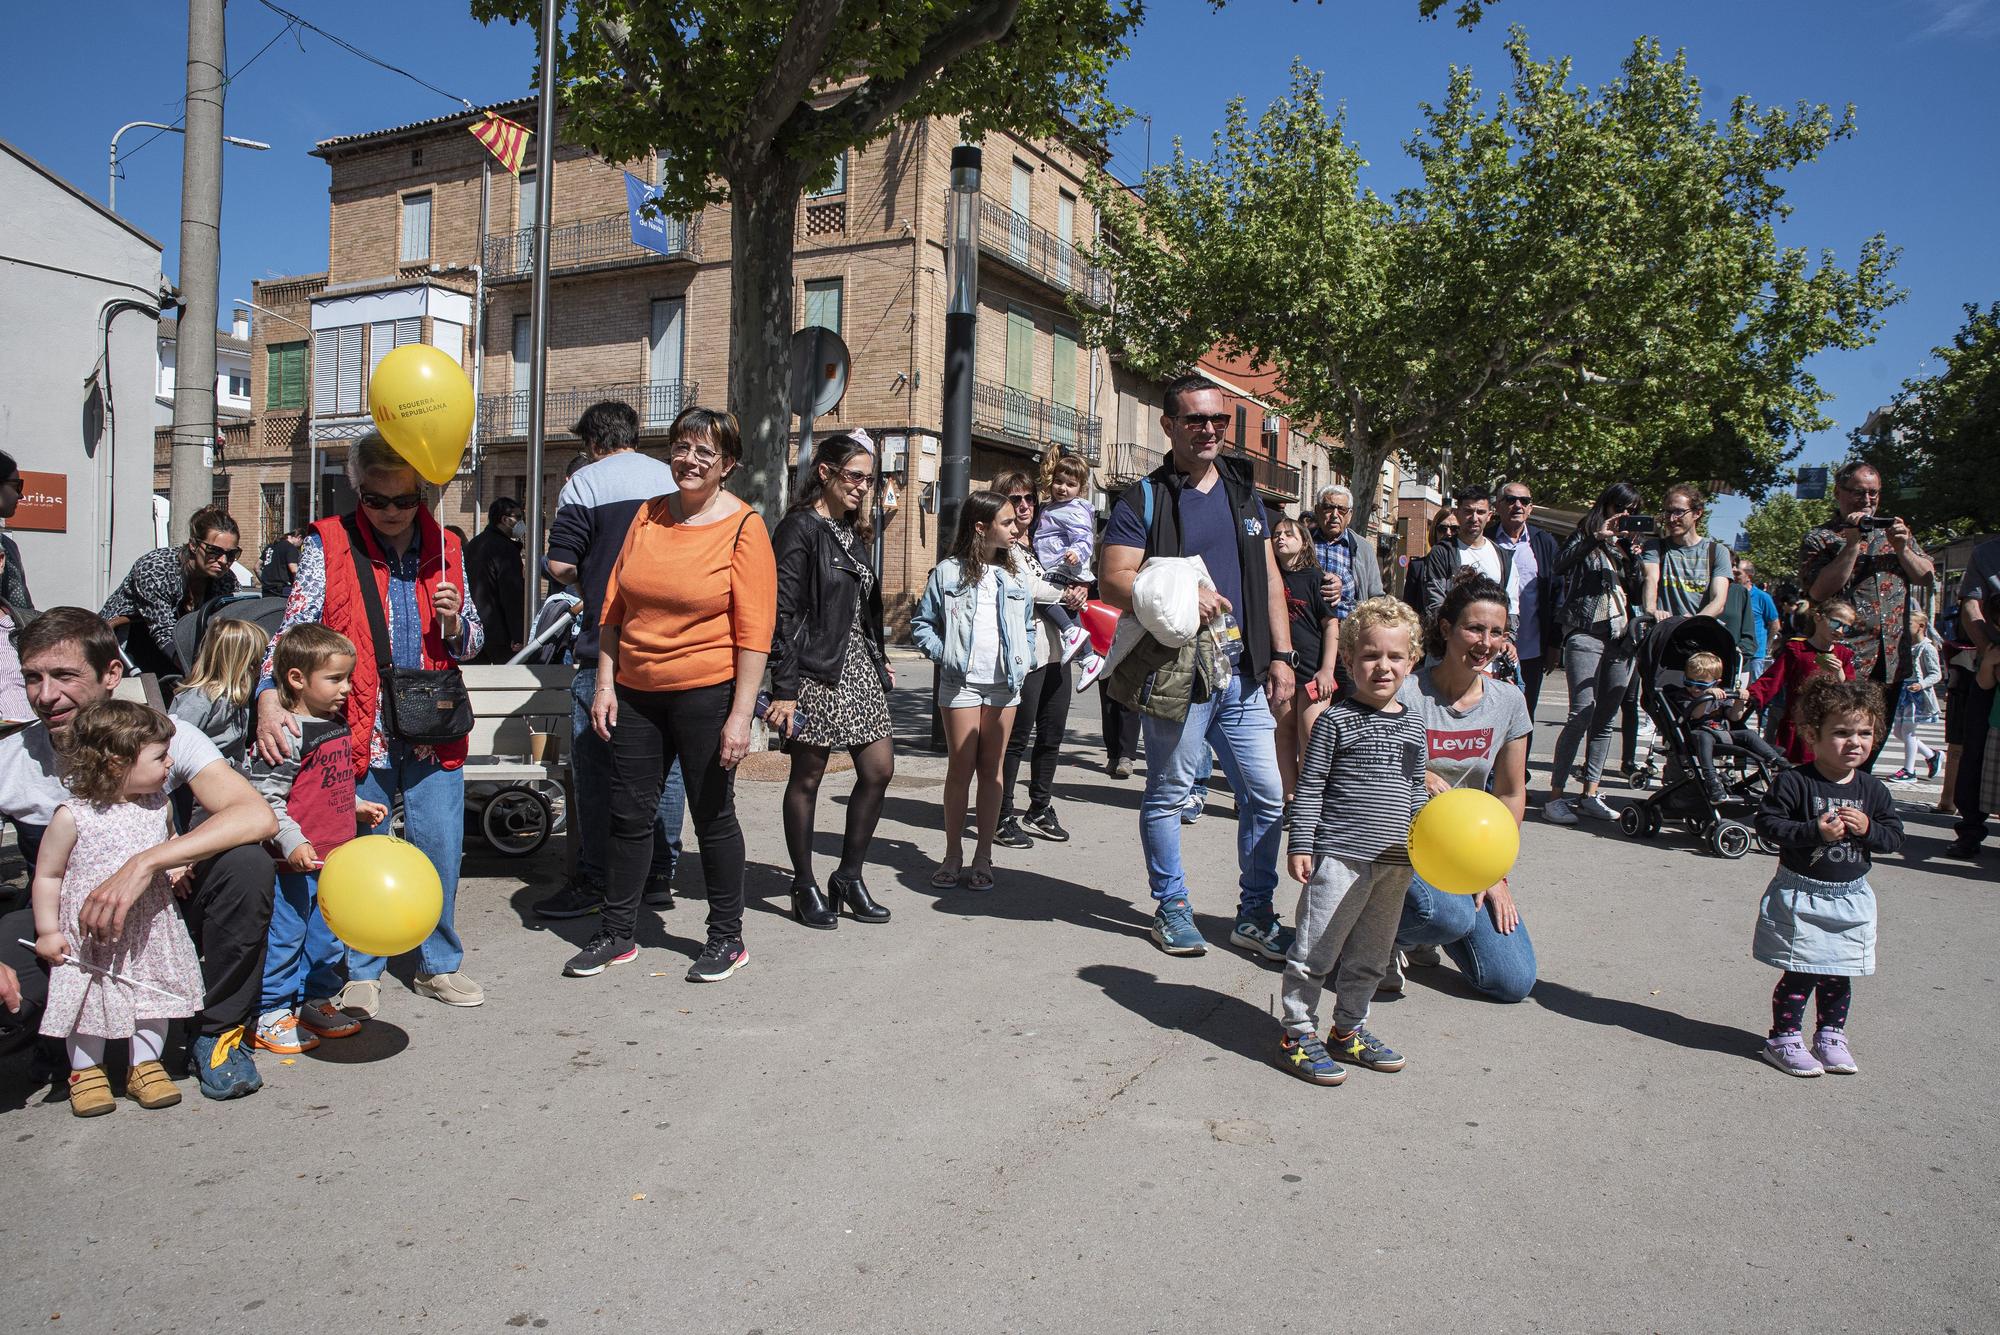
[(958, 693)]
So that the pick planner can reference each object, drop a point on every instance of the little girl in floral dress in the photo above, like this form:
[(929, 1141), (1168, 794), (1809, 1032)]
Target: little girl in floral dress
[(131, 986)]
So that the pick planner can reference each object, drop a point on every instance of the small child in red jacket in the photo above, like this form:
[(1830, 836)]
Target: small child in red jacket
[(1800, 660)]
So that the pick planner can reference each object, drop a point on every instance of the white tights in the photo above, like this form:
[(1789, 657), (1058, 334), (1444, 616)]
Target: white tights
[(149, 1040), (1915, 751)]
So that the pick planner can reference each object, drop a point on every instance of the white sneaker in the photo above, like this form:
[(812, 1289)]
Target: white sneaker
[(1088, 669), (1597, 808), (1392, 977), (1559, 811), (1422, 957), (1073, 639)]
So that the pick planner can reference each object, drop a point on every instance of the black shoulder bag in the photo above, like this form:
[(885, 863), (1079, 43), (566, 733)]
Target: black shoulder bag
[(425, 706)]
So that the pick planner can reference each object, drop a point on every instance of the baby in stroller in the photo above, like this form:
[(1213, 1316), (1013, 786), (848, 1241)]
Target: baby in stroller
[(1713, 716)]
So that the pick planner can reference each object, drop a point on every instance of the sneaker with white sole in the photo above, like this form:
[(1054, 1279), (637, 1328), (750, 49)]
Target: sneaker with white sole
[(1089, 668), (603, 950), (363, 996), (1393, 981), (278, 1031), (320, 1015), (1422, 957), (1597, 808), (1830, 1049), (1559, 811), (1788, 1053), (1073, 640), (453, 989), (719, 959)]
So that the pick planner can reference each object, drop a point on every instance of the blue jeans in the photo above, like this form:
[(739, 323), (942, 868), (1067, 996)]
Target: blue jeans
[(590, 775), (1501, 966), (433, 820), (1237, 724), (303, 959)]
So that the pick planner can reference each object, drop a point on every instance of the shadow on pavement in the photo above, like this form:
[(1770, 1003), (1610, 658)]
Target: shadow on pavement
[(377, 1041), (1228, 1022), (1646, 1021)]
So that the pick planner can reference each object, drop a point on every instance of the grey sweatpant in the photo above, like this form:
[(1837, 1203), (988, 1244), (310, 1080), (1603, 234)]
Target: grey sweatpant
[(1347, 915)]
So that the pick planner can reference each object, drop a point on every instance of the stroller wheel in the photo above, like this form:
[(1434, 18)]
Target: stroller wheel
[(1632, 820), (517, 821), (1730, 839)]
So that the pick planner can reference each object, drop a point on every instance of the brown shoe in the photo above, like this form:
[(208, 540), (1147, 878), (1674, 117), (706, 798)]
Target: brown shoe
[(149, 1086), (90, 1092)]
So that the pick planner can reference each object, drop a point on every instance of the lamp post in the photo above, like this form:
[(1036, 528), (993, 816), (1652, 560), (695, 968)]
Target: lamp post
[(111, 185), (961, 316), (312, 419)]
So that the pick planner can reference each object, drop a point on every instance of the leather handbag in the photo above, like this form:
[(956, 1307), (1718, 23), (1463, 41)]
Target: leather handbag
[(423, 706)]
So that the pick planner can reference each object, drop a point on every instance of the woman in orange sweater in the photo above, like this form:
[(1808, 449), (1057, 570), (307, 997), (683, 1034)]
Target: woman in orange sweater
[(688, 615)]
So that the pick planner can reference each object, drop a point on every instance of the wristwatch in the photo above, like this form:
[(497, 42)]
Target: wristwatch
[(1286, 656)]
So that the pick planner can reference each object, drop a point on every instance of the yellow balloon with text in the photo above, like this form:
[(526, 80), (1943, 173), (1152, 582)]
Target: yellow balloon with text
[(380, 894), (422, 405), (1464, 841)]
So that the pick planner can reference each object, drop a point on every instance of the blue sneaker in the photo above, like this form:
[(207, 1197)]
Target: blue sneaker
[(1306, 1058), (1264, 936), (222, 1065), (1174, 930), (1362, 1048)]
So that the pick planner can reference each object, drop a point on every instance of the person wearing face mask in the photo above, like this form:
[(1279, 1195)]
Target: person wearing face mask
[(169, 582), (499, 591)]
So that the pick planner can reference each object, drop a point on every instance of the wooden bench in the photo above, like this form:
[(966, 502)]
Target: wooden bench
[(507, 700)]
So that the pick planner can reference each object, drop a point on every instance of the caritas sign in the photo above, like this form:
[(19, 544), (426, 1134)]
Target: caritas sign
[(44, 504)]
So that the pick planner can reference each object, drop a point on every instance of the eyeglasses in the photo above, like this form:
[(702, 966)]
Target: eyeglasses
[(1866, 493), (702, 456), (1678, 512), (1518, 500), (856, 477), (375, 500), (1021, 497), (1336, 509), (1447, 529), (1213, 421), (213, 552)]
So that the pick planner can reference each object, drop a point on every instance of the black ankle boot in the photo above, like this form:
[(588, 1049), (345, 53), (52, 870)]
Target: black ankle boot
[(854, 895), (809, 906)]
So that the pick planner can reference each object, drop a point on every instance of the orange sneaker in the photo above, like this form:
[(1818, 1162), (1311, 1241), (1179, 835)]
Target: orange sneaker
[(279, 1031)]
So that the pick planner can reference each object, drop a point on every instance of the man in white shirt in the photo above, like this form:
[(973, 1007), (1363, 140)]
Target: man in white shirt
[(1532, 596), (1478, 552)]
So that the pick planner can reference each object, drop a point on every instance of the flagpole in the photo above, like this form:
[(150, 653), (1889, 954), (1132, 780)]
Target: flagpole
[(538, 321), (479, 327)]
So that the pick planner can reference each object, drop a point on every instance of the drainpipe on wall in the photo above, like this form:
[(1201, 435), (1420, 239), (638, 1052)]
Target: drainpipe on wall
[(106, 476)]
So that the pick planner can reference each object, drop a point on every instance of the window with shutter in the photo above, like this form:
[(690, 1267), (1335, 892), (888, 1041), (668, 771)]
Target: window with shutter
[(1062, 422), (525, 215), (664, 352), (348, 389), (520, 395), (1020, 384), (285, 376), (416, 228), (448, 337), (823, 303)]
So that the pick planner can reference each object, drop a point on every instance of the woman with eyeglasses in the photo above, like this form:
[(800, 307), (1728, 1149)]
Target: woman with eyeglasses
[(1600, 640), (1432, 574), (167, 583), (689, 612), (830, 673), (417, 573)]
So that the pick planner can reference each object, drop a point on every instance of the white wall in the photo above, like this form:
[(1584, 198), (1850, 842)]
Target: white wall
[(228, 361), (66, 260)]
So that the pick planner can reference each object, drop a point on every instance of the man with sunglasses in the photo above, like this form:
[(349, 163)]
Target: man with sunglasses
[(1534, 560), (167, 583), (1202, 502), (1871, 562)]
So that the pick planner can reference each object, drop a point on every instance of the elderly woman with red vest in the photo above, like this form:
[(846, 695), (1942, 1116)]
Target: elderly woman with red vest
[(418, 571)]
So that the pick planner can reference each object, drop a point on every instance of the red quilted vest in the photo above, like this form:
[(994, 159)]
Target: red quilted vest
[(345, 612)]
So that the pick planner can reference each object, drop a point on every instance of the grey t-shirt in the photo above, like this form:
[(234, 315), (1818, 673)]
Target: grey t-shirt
[(31, 785), (1982, 579), (1463, 744), (1686, 572)]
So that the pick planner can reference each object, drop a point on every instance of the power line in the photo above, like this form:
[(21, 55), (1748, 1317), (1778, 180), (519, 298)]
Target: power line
[(354, 50), (226, 81)]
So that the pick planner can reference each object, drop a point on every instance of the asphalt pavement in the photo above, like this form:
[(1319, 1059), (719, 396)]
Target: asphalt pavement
[(1009, 1112)]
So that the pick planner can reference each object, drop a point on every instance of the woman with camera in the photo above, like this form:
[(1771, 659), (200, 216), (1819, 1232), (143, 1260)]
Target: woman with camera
[(1600, 642)]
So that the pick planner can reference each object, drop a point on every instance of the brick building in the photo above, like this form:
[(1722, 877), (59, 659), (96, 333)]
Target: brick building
[(407, 262)]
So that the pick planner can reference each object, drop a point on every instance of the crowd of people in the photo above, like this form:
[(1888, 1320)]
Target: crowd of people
[(175, 857)]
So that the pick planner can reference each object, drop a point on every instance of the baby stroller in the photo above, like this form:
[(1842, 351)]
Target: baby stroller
[(1726, 826)]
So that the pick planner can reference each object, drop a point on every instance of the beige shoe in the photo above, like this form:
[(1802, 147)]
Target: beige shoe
[(363, 996), (150, 1086), (453, 989), (90, 1092)]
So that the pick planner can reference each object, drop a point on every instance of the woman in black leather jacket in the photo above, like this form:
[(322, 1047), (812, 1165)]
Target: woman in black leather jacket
[(1599, 621), (830, 674)]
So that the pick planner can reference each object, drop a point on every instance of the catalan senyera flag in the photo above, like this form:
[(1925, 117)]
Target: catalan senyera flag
[(504, 139)]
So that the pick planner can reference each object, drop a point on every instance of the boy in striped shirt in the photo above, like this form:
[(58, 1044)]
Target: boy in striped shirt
[(1361, 782)]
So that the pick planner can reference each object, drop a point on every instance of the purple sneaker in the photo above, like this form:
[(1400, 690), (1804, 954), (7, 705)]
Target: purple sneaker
[(1788, 1053), (1830, 1046)]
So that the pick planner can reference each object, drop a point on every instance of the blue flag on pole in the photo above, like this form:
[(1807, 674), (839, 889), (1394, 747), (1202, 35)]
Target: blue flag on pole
[(654, 231)]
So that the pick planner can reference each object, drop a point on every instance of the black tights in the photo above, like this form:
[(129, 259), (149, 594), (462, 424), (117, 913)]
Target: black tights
[(1788, 1001), (874, 764)]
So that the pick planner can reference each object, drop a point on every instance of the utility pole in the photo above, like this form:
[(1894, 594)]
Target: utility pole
[(538, 308), (201, 243)]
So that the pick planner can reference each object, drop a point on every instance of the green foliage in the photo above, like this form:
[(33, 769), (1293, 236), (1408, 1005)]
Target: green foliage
[(1585, 285), (1775, 530), (1938, 445)]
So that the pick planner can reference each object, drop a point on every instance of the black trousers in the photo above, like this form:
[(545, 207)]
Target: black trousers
[(228, 915), (1044, 712), (687, 726), (1703, 741), (1121, 729), (1971, 823)]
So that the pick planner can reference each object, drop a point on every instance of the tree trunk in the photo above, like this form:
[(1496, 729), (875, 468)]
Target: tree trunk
[(764, 204), (1368, 453)]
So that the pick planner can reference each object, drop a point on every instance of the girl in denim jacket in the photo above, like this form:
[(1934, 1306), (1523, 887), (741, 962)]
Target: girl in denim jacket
[(976, 622)]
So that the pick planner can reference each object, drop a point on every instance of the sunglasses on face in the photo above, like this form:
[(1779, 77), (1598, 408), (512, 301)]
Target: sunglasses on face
[(1213, 421), (701, 456), (855, 477), (215, 553), (1518, 500), (375, 500), (1021, 497)]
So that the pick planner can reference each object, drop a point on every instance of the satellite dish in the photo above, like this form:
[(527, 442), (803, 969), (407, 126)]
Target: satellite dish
[(819, 371)]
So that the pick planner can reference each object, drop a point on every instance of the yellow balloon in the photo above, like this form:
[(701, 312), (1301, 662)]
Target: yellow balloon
[(1464, 841), (422, 405), (380, 894)]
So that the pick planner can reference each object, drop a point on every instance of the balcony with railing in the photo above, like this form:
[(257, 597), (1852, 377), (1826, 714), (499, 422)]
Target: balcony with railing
[(1280, 481), (505, 416), (1128, 461), (596, 243), (1040, 253), (1034, 424)]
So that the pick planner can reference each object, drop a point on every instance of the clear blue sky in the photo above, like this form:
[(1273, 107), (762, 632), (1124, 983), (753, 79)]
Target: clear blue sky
[(1923, 168)]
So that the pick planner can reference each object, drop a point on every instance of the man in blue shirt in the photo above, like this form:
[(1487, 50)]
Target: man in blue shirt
[(1763, 618), (1201, 502)]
